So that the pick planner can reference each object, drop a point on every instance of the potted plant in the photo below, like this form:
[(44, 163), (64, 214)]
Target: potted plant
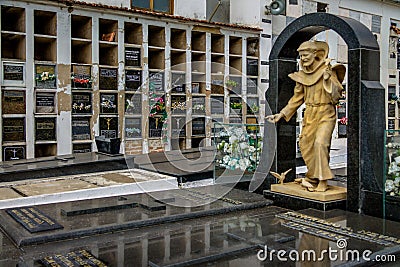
[(254, 108), (230, 84), (236, 107)]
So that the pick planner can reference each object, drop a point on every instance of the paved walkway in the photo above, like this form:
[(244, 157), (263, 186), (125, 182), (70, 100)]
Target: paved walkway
[(83, 186)]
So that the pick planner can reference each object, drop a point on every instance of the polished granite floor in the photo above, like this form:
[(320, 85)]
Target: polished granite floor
[(228, 232)]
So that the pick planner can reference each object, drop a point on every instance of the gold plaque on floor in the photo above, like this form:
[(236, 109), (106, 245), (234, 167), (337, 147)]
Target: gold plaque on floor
[(295, 189)]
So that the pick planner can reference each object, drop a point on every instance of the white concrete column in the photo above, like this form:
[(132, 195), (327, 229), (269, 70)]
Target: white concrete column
[(64, 130), (30, 66), (145, 89)]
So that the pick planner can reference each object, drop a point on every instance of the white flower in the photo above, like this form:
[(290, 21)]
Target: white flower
[(226, 159), (243, 145)]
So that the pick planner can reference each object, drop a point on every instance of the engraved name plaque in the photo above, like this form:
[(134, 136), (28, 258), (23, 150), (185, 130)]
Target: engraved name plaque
[(33, 219)]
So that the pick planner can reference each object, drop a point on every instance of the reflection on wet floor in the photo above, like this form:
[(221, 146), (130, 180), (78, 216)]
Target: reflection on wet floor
[(231, 239)]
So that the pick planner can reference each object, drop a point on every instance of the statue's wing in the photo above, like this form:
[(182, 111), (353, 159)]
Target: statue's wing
[(276, 175), (286, 172)]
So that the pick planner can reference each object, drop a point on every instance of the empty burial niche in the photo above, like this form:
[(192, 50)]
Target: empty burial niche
[(156, 58), (45, 150), (13, 44), (178, 39), (217, 43), (81, 27), (156, 36), (12, 19), (45, 23), (108, 30), (235, 45), (198, 41), (133, 33)]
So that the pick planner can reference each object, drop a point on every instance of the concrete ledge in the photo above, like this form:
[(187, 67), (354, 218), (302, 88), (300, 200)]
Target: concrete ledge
[(101, 192)]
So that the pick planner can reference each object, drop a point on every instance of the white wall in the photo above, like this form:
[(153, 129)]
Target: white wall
[(195, 9), (118, 3), (246, 12)]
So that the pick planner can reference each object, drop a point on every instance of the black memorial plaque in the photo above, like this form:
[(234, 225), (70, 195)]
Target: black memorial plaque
[(178, 83), (81, 129), (398, 59), (252, 67), (178, 125), (33, 219), (133, 127), (73, 259), (45, 103), (133, 80), (252, 86), (109, 127), (132, 57), (13, 153), (198, 126), (156, 81), (342, 130), (217, 105), (217, 86), (13, 102), (13, 72), (133, 104), (391, 110), (253, 106), (108, 104), (13, 129), (238, 88), (81, 148), (45, 129), (81, 76), (108, 79), (155, 126), (82, 103)]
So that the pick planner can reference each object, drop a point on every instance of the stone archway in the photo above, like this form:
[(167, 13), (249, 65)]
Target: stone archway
[(366, 105)]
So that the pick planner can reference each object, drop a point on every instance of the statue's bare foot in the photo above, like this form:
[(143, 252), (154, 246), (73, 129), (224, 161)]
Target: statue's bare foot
[(322, 186)]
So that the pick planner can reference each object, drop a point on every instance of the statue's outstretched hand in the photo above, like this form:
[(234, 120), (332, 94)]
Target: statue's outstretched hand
[(274, 118)]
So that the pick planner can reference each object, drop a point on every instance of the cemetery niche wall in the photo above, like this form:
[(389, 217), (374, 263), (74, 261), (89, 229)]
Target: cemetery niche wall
[(365, 126)]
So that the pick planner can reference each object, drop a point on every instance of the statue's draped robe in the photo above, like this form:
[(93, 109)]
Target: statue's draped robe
[(320, 97)]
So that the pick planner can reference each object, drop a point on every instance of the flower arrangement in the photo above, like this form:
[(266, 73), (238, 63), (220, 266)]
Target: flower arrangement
[(107, 103), (81, 107), (45, 76), (236, 105), (231, 83), (254, 108), (236, 150), (199, 107), (178, 105), (394, 98), (344, 121), (81, 81), (157, 106), (131, 132), (392, 184)]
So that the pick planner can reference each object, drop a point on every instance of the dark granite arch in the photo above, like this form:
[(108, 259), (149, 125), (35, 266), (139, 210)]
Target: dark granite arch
[(366, 103)]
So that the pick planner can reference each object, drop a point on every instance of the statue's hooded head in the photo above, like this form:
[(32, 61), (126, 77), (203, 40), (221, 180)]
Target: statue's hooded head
[(312, 55)]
